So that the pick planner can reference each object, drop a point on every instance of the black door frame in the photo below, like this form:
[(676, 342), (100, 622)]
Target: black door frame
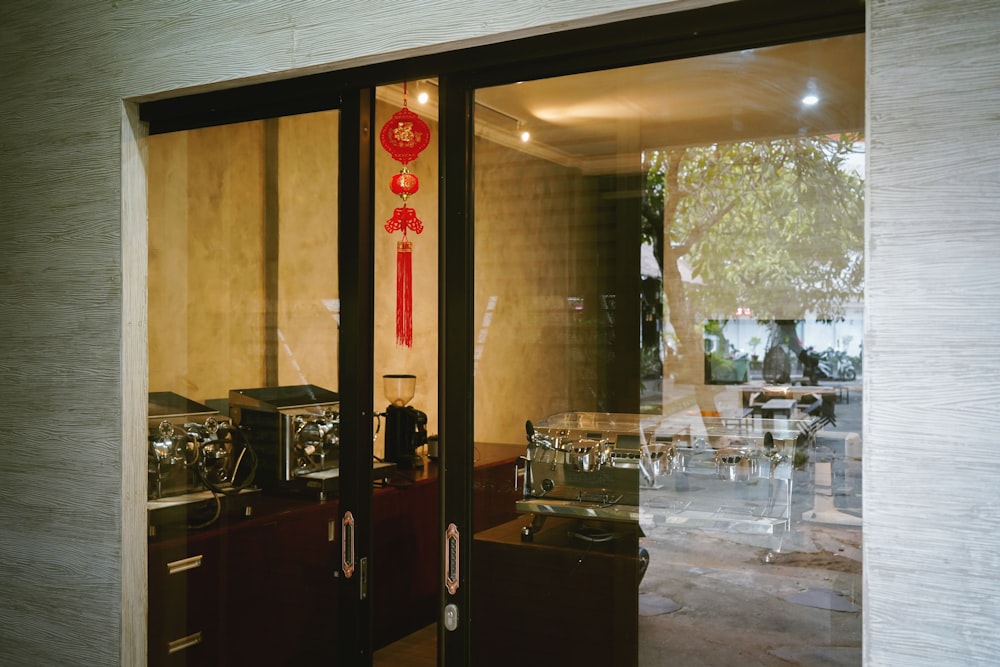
[(356, 261), (719, 28), (455, 391)]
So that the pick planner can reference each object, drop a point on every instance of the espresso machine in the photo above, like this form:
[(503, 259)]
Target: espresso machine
[(172, 451), (587, 471), (405, 426), (194, 455), (724, 473), (296, 432), (592, 464), (192, 449)]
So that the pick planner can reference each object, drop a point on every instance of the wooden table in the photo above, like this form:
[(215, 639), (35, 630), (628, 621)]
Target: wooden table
[(785, 406)]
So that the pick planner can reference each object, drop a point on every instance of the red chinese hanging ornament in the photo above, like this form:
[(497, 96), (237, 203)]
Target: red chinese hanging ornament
[(404, 136)]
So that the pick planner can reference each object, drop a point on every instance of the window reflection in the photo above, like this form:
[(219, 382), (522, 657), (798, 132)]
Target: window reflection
[(672, 268)]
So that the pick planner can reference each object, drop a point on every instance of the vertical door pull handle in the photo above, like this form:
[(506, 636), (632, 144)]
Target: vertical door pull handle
[(451, 575), (347, 545)]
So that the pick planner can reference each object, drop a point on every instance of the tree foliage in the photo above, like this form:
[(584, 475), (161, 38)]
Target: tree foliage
[(776, 227)]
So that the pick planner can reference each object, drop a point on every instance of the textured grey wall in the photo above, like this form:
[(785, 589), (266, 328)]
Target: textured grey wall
[(932, 366), (72, 294)]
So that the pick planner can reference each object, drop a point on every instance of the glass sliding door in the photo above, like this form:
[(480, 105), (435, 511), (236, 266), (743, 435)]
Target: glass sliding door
[(244, 332), (406, 553), (668, 276)]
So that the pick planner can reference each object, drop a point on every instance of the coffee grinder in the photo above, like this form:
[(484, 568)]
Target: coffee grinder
[(405, 426)]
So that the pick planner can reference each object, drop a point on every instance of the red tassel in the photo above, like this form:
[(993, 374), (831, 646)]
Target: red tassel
[(404, 293)]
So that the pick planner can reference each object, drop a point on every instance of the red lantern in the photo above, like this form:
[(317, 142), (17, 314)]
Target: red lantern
[(404, 184), (404, 136)]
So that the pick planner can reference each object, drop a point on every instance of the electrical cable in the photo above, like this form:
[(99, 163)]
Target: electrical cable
[(215, 516), (233, 486)]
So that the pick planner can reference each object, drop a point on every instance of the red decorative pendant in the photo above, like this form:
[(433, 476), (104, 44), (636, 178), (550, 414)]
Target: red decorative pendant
[(404, 218), (404, 293), (404, 136), (404, 184)]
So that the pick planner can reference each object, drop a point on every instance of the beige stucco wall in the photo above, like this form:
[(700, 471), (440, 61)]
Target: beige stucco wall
[(534, 220), (209, 194), (72, 294)]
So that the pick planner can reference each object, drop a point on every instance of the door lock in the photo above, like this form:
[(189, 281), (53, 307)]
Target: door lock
[(451, 617)]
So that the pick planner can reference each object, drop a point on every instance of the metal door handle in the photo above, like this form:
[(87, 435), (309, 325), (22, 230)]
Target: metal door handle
[(347, 545), (451, 567)]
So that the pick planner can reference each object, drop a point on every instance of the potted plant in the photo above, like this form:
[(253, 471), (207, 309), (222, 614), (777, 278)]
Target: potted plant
[(754, 343)]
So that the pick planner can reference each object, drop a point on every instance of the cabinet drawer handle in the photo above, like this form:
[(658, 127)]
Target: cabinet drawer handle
[(183, 643), (184, 564)]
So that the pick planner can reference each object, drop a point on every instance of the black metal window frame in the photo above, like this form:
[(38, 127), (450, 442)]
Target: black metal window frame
[(715, 29)]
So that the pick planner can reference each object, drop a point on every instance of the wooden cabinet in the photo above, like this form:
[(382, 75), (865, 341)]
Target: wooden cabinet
[(554, 601), (307, 568), (494, 495), (183, 586), (238, 594), (263, 590), (405, 561), (249, 583)]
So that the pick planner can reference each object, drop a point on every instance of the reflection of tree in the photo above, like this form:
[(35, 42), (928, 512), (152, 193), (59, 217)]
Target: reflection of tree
[(776, 227)]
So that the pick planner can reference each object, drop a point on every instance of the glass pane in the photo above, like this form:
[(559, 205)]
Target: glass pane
[(243, 338), (405, 561), (669, 273)]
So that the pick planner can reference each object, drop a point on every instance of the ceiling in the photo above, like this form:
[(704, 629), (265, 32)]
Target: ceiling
[(597, 120)]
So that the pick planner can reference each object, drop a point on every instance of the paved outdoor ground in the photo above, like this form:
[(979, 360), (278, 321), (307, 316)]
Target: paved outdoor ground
[(729, 593)]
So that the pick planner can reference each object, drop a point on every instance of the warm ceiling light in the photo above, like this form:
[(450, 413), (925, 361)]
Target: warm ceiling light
[(525, 136), (422, 97), (811, 97)]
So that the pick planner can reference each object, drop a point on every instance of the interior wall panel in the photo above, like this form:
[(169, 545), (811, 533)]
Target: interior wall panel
[(932, 500)]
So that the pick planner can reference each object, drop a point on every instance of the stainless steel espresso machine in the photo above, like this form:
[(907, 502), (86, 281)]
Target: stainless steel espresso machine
[(592, 465), (172, 451), (724, 473), (192, 448), (296, 432), (194, 454), (589, 468)]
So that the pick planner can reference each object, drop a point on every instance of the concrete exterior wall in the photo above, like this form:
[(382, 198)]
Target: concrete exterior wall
[(73, 271), (932, 502)]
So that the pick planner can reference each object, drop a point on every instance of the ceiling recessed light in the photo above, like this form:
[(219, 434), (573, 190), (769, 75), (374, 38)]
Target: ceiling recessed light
[(810, 100), (423, 97)]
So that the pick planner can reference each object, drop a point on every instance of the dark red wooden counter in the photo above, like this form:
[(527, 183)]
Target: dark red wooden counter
[(555, 600), (259, 586)]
